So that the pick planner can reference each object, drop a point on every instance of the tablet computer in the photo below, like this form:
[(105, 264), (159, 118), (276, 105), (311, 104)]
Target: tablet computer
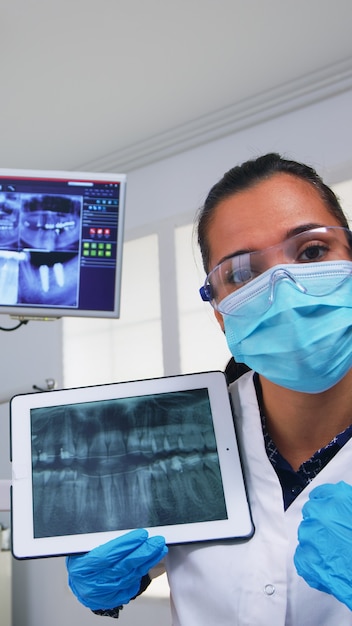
[(91, 463)]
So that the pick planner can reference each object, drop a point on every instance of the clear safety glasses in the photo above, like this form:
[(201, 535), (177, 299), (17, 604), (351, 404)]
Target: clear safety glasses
[(330, 243)]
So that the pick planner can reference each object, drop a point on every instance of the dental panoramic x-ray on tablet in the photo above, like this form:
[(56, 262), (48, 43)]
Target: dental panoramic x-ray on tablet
[(91, 463)]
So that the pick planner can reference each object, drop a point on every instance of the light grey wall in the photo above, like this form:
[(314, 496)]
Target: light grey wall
[(42, 598), (321, 135), (28, 356)]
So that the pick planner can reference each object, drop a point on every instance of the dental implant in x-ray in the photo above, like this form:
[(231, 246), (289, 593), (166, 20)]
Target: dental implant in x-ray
[(49, 231), (49, 278), (58, 272)]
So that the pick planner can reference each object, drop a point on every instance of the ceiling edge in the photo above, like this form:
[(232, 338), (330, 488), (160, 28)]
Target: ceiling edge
[(261, 107)]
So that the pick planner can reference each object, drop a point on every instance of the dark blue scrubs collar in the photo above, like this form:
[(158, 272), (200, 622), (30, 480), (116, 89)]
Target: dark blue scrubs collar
[(293, 482)]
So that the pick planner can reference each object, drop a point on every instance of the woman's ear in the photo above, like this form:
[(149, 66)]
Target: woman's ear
[(220, 319)]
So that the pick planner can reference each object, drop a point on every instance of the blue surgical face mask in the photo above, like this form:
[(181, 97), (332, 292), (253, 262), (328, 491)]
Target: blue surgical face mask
[(293, 324)]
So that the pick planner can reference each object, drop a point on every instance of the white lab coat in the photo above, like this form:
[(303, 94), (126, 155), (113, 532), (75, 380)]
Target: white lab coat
[(254, 583)]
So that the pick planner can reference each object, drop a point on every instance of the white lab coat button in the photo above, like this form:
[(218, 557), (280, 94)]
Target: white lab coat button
[(269, 590)]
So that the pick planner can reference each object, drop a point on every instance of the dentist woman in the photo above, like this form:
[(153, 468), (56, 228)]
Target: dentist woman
[(276, 249)]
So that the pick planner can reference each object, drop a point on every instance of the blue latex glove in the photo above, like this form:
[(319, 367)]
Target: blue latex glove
[(110, 575), (324, 554)]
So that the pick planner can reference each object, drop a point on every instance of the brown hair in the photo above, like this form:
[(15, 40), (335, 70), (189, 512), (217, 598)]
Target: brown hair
[(247, 175)]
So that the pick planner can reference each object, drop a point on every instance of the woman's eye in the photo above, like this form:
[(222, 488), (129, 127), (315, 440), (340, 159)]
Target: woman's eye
[(239, 276), (313, 252)]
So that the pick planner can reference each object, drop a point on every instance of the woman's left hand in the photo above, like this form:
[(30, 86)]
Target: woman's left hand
[(324, 554)]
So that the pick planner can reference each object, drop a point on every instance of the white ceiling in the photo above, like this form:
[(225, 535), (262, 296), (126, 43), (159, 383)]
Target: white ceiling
[(84, 79)]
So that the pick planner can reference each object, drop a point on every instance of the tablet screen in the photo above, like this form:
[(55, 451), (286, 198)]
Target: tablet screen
[(99, 461), (127, 462)]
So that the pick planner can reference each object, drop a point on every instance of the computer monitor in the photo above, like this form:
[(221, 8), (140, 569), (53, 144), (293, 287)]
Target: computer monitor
[(61, 237)]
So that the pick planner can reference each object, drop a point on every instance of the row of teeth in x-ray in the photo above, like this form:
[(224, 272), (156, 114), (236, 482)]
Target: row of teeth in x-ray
[(45, 221), (114, 448), (178, 489)]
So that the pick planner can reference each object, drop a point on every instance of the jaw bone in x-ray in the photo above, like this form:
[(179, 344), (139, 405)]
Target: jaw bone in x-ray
[(50, 222), (125, 463), (10, 255)]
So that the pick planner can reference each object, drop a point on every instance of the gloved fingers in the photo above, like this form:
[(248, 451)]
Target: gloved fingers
[(143, 558), (330, 504), (341, 589), (110, 575), (324, 554), (304, 569), (137, 562), (328, 575), (329, 490), (118, 582), (87, 570), (111, 551), (134, 565), (102, 596), (119, 547), (313, 506), (307, 556), (324, 536), (312, 509)]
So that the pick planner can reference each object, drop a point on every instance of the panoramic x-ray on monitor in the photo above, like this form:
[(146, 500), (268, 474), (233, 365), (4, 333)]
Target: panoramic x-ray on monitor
[(89, 464), (61, 236)]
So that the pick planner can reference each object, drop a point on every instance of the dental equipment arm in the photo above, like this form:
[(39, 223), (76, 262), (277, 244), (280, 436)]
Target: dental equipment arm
[(324, 554), (114, 573)]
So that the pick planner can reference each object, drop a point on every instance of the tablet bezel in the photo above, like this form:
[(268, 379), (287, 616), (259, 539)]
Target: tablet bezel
[(238, 523)]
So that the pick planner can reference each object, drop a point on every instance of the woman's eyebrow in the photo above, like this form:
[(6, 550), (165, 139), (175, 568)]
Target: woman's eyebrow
[(290, 233), (302, 229)]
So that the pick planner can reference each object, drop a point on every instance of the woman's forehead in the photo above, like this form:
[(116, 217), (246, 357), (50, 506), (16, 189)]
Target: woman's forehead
[(261, 216)]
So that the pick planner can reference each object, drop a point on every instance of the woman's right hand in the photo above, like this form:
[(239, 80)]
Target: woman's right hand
[(110, 575)]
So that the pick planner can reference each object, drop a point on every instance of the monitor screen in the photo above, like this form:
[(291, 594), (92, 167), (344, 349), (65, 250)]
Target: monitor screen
[(61, 237)]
